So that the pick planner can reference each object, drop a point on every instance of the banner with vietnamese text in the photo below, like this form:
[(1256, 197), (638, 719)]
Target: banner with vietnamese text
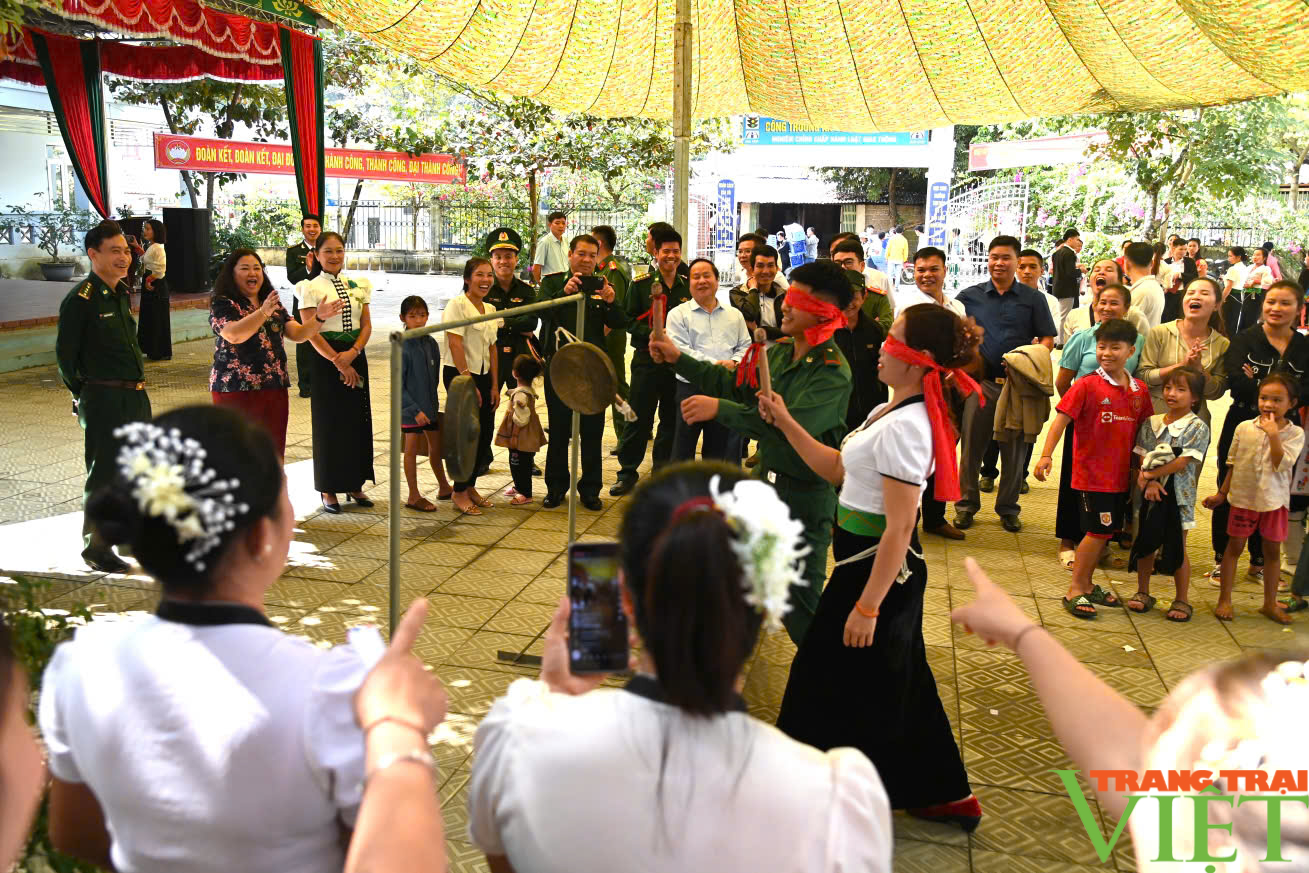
[(177, 152)]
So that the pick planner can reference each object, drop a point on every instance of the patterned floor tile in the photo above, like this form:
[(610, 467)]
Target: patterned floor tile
[(337, 568), (365, 546), (480, 650), (471, 690), (521, 617), (998, 862), (102, 599), (462, 857), (1009, 759), (457, 611), (303, 594), (552, 541), (912, 856), (545, 588), (485, 583), (1033, 825), (445, 554), (469, 534), (502, 560)]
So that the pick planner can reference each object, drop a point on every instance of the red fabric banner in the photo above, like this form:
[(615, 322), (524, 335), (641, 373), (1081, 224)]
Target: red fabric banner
[(184, 21), (154, 63), (176, 152)]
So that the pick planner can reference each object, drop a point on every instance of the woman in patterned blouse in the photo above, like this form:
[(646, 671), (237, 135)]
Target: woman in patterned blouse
[(249, 325)]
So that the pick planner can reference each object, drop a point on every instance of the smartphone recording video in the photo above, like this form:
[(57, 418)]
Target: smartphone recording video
[(597, 626)]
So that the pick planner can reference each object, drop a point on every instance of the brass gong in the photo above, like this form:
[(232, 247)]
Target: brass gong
[(461, 428), (583, 377)]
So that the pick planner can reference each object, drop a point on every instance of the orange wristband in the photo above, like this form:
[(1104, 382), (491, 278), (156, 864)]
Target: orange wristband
[(866, 613)]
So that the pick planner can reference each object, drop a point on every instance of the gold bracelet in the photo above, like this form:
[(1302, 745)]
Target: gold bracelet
[(413, 756)]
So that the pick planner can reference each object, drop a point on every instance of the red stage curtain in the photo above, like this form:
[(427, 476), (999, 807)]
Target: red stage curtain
[(184, 21), (71, 68), (302, 61)]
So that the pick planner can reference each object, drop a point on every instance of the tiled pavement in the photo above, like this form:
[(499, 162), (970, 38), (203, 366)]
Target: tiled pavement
[(492, 582)]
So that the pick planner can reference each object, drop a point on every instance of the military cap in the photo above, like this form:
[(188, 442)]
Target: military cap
[(504, 238)]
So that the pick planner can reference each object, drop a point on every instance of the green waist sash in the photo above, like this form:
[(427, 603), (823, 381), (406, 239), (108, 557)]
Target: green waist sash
[(860, 523), (339, 337)]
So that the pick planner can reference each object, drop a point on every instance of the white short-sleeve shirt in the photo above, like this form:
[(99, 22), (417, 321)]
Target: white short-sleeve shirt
[(565, 784), (478, 338), (356, 290), (898, 445), (212, 747)]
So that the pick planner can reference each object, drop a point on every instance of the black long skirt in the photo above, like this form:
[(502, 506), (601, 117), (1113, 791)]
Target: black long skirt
[(1068, 512), (154, 328), (342, 426), (882, 700)]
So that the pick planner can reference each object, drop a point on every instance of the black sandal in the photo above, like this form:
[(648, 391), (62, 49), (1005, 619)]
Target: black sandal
[(1179, 606), (1102, 597), (1147, 602), (1294, 605), (1077, 607)]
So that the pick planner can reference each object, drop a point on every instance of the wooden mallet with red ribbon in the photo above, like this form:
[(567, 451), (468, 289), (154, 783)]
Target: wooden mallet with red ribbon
[(658, 305), (765, 378)]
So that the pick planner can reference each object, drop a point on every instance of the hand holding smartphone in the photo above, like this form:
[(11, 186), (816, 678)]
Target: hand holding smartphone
[(597, 625)]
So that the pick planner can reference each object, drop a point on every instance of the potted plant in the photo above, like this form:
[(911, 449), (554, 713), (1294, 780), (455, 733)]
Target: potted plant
[(62, 223)]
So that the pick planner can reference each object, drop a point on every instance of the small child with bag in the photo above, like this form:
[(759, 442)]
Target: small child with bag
[(520, 430)]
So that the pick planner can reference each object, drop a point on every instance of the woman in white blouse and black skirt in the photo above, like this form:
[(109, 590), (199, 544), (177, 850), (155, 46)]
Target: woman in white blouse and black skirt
[(471, 351), (869, 623), (154, 329), (340, 406)]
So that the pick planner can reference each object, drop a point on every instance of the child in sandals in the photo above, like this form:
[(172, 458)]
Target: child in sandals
[(1257, 484), (420, 412), (1106, 410), (1172, 447), (520, 430)]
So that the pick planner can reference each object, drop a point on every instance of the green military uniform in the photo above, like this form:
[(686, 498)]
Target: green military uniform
[(878, 307), (619, 274), (599, 315), (101, 364), (816, 389), (515, 337), (296, 272), (652, 385)]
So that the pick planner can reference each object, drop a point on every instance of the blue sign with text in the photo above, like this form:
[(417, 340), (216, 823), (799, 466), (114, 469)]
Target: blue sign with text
[(762, 130), (937, 197), (726, 230)]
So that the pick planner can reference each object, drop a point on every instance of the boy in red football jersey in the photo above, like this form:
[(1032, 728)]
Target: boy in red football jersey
[(1106, 409)]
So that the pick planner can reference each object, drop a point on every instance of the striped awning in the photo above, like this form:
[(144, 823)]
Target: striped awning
[(855, 64)]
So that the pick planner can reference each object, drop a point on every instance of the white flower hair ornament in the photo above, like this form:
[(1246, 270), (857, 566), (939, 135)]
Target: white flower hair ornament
[(169, 480), (767, 542)]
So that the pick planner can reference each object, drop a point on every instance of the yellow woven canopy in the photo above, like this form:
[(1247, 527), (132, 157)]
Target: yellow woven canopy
[(855, 64)]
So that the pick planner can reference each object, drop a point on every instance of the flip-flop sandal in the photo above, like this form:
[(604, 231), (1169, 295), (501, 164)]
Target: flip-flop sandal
[(1231, 617), (520, 500), (1077, 607), (472, 510), (1100, 597), (1293, 605), (449, 495), (1067, 557), (1179, 606), (422, 504), (1147, 602)]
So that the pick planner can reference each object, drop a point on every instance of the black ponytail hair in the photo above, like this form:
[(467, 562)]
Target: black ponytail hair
[(687, 588), (235, 448)]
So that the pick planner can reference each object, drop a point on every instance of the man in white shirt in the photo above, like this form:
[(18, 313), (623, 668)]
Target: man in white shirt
[(708, 331), (1147, 293), (929, 283), (551, 250)]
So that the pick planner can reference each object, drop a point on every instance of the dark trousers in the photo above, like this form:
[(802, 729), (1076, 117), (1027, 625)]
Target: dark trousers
[(720, 443), (557, 450), (991, 461), (1255, 544), (978, 432), (520, 467), (653, 386), (933, 509), (485, 422), (304, 356), (1242, 309), (616, 349), (100, 410), (815, 506)]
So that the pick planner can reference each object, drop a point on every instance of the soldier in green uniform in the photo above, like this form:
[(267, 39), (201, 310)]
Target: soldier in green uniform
[(101, 364), (301, 264), (517, 336), (600, 313), (815, 382), (618, 273), (653, 385)]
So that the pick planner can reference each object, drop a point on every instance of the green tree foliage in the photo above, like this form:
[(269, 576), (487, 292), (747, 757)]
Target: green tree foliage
[(890, 185)]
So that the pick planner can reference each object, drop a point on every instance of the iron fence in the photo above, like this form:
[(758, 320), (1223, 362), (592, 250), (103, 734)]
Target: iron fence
[(1222, 235), (459, 228)]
